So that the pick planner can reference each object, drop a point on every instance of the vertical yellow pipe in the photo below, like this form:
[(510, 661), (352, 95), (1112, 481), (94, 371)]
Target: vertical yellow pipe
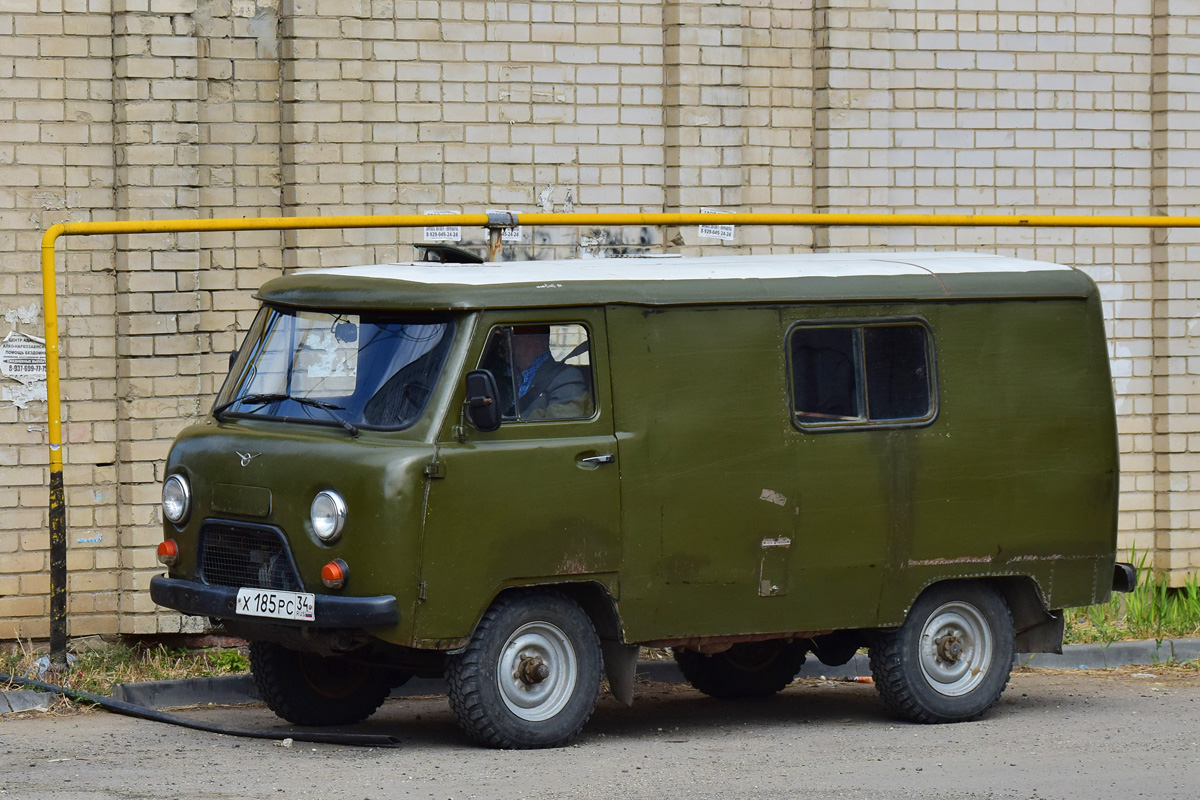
[(58, 505)]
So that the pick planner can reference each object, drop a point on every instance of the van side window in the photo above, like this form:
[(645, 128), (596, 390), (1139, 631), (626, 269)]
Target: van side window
[(542, 372), (861, 374), (825, 373)]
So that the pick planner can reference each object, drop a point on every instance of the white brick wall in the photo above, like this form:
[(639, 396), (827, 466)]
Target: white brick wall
[(132, 109)]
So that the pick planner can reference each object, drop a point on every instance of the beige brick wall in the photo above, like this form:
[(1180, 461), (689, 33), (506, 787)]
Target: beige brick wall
[(56, 164), (154, 109)]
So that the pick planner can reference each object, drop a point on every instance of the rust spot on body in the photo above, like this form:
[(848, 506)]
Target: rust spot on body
[(941, 562)]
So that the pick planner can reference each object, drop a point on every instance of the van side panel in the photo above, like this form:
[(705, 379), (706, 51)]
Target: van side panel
[(700, 426), (1016, 475), (1019, 473)]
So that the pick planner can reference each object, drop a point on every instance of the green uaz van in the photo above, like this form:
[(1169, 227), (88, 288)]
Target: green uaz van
[(515, 474)]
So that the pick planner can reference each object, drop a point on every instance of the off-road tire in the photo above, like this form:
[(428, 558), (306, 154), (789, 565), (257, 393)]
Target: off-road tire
[(542, 623), (747, 670), (308, 689), (920, 685)]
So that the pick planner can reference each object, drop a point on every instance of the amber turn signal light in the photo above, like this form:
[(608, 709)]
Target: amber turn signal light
[(168, 553), (335, 573)]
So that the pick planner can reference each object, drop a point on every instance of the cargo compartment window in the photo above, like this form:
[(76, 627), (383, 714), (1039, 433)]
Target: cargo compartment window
[(861, 374), (542, 372)]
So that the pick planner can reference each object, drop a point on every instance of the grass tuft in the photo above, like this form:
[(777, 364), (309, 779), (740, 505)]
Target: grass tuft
[(1153, 610), (99, 670)]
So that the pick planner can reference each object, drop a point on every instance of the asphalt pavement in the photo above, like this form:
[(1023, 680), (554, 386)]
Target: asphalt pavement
[(1073, 734)]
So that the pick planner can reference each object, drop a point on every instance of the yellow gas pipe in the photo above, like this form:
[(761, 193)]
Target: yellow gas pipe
[(494, 222)]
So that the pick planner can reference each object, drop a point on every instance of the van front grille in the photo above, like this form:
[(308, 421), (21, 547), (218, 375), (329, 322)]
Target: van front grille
[(255, 558)]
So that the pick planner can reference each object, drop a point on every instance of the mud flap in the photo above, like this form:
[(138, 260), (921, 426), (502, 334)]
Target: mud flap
[(620, 665)]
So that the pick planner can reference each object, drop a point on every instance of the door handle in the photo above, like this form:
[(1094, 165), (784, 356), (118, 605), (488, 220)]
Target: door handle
[(605, 458)]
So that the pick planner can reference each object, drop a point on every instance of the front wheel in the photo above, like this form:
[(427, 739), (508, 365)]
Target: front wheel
[(951, 659), (530, 675), (309, 689)]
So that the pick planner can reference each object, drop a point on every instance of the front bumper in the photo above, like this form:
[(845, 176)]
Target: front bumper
[(202, 600)]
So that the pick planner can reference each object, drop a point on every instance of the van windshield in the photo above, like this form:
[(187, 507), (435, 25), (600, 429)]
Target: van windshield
[(353, 370)]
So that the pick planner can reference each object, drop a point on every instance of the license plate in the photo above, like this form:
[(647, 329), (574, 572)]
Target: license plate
[(280, 605)]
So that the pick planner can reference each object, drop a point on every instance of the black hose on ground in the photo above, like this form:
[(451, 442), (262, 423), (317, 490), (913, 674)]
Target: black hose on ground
[(129, 709)]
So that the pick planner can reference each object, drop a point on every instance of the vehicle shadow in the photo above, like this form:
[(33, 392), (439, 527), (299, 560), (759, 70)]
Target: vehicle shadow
[(660, 711)]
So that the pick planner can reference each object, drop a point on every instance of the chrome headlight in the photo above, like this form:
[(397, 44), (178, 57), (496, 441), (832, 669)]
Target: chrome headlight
[(176, 498), (328, 515)]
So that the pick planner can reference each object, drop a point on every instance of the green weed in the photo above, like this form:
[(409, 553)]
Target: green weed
[(98, 670), (1153, 610)]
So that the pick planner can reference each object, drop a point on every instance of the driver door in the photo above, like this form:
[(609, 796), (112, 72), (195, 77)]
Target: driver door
[(537, 500)]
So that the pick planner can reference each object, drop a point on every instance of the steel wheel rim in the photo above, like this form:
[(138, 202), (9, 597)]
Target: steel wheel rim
[(539, 701), (961, 623)]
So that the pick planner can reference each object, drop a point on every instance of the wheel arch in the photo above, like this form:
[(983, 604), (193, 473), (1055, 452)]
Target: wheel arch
[(1038, 628), (597, 602), (592, 596)]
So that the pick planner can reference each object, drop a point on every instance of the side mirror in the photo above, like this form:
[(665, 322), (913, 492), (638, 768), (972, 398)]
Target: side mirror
[(232, 358), (482, 408)]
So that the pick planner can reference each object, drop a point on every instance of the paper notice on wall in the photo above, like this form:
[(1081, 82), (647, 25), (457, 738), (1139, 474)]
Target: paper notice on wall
[(443, 233), (23, 358), (512, 235), (722, 232), (21, 395)]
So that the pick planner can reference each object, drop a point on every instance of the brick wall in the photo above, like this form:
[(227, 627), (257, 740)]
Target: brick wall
[(57, 162), (155, 109)]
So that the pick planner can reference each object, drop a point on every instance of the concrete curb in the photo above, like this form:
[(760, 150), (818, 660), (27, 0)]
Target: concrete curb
[(236, 689), (1117, 654)]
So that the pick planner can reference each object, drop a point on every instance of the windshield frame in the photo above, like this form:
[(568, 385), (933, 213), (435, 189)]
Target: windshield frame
[(251, 347)]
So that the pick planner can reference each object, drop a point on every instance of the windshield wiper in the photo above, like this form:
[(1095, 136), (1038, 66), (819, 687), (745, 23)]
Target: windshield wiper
[(263, 399), (253, 399)]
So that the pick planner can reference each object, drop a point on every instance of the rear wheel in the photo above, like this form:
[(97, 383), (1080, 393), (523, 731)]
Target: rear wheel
[(309, 689), (749, 669), (951, 659), (530, 675)]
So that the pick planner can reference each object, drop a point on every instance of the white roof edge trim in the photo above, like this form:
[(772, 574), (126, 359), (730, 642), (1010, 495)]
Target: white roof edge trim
[(550, 274)]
